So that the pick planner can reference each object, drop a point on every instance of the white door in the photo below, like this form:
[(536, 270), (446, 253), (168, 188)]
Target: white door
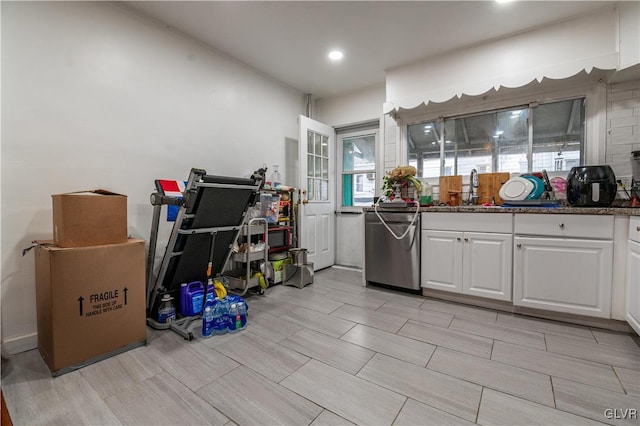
[(565, 275), (487, 265), (442, 260), (317, 210)]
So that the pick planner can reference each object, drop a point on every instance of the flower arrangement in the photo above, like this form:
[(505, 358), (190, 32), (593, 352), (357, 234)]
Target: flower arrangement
[(402, 177)]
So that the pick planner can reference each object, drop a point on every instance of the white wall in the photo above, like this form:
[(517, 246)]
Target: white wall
[(94, 96), (350, 240), (355, 107), (556, 51), (351, 108), (623, 126)]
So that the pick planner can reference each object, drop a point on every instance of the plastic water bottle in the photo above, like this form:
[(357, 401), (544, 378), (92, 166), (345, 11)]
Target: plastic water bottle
[(242, 311), (275, 177), (235, 320), (166, 311), (220, 317), (207, 321), (426, 196)]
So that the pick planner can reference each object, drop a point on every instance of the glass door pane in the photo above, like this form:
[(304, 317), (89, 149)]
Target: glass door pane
[(317, 166)]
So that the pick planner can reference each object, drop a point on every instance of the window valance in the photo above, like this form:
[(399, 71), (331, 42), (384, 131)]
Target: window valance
[(556, 52)]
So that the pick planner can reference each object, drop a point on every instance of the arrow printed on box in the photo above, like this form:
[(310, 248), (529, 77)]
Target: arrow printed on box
[(125, 295), (80, 299)]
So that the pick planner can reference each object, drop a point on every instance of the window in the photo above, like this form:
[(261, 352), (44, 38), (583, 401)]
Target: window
[(516, 140), (358, 183), (558, 135), (317, 166), (424, 148)]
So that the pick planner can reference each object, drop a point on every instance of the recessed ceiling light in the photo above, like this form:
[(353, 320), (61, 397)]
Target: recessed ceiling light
[(336, 55)]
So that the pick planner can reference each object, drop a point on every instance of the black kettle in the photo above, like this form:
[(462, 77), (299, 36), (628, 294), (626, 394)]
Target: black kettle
[(591, 186)]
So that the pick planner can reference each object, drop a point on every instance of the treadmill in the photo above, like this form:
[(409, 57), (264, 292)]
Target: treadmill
[(211, 212)]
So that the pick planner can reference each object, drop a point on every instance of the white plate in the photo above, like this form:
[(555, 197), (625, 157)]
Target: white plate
[(516, 189)]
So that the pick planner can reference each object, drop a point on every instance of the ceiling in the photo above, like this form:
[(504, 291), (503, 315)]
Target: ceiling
[(289, 41)]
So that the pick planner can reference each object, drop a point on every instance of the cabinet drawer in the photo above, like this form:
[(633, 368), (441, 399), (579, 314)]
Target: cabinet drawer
[(469, 222), (634, 229), (565, 225)]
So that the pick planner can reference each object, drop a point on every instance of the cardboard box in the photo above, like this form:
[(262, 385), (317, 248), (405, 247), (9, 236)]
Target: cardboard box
[(90, 302), (89, 218)]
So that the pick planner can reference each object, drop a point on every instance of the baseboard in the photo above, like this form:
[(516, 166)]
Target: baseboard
[(609, 324), (15, 345), (348, 268)]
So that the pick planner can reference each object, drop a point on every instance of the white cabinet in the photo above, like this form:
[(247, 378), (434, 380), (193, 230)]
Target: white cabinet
[(441, 264), (459, 256), (487, 265), (563, 263), (632, 309)]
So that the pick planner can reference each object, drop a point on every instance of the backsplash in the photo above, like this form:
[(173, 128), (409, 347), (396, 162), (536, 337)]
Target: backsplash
[(623, 128)]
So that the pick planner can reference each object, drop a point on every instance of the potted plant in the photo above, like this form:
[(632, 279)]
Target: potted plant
[(402, 182)]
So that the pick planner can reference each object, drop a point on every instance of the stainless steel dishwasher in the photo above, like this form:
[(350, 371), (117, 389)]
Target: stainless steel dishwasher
[(388, 260)]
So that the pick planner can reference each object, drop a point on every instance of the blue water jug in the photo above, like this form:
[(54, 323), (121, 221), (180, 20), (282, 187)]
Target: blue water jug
[(191, 296)]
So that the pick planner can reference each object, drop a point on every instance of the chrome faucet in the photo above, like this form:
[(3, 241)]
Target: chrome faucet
[(473, 187)]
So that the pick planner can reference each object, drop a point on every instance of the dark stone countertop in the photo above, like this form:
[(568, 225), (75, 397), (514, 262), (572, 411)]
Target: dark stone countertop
[(617, 211)]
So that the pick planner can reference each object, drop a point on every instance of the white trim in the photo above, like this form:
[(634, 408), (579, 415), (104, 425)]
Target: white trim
[(596, 129), (592, 87), (16, 345), (375, 131), (380, 148), (558, 51)]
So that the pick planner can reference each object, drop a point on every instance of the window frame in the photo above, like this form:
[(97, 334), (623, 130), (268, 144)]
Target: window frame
[(372, 130), (594, 92)]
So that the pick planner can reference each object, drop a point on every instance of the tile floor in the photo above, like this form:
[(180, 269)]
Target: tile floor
[(338, 353)]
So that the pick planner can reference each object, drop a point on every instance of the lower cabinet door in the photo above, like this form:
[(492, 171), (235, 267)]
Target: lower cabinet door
[(565, 275), (633, 286), (487, 265), (441, 260)]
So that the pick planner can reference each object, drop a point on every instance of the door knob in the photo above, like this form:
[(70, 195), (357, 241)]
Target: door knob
[(305, 201)]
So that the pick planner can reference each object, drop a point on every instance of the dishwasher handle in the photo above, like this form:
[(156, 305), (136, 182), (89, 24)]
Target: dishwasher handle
[(413, 221)]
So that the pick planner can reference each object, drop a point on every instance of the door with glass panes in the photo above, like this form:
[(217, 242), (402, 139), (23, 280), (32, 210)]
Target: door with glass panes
[(317, 210)]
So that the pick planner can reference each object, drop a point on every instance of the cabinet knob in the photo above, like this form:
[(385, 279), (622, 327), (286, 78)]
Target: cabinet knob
[(466, 239), (458, 238), (519, 245), (638, 228), (561, 225)]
